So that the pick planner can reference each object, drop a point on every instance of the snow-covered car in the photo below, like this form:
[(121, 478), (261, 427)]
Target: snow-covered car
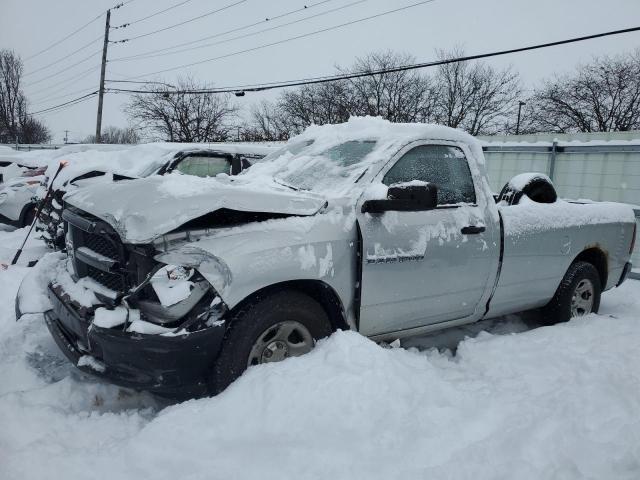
[(17, 203), (177, 284), (12, 167), (90, 168)]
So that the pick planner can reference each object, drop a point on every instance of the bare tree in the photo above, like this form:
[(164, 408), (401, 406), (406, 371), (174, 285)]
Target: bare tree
[(15, 122), (12, 100), (267, 123), (33, 131), (400, 96), (474, 96), (601, 96), (115, 135), (315, 104), (183, 117)]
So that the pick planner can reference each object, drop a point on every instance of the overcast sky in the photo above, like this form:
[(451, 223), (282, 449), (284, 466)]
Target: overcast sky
[(29, 26)]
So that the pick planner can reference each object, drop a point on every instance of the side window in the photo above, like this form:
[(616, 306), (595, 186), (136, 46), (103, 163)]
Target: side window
[(442, 165), (204, 166)]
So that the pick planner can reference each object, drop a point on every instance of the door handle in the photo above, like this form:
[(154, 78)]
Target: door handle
[(472, 230)]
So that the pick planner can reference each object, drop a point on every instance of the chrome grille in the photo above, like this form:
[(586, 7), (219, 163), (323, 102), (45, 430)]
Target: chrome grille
[(113, 281), (101, 244), (100, 238)]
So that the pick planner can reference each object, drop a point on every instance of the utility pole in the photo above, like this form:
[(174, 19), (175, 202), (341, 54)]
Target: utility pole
[(66, 136), (520, 104), (102, 70)]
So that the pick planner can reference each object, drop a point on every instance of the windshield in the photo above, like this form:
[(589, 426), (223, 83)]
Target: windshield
[(310, 168)]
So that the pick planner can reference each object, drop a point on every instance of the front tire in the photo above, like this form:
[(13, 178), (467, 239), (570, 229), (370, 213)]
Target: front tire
[(270, 329), (578, 294), (29, 216)]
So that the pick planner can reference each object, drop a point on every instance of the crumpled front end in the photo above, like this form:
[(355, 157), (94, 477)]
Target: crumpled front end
[(119, 314)]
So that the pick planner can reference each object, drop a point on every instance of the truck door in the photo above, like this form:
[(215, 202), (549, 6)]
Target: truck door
[(426, 267)]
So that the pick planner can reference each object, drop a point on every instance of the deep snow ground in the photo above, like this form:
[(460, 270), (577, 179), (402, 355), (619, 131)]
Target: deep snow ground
[(11, 239), (557, 402)]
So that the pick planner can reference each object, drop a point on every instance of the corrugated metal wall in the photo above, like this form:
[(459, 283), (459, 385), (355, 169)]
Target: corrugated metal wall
[(598, 166)]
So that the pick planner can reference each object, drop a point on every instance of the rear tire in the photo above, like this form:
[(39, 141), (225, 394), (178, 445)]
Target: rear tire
[(283, 324), (578, 294)]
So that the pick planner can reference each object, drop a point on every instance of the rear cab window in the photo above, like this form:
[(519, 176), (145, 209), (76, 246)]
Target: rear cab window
[(204, 166)]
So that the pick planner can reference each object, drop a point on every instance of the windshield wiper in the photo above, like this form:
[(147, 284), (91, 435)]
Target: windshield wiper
[(280, 182), (361, 175)]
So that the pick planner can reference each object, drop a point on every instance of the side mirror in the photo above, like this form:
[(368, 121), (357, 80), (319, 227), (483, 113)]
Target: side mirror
[(405, 198)]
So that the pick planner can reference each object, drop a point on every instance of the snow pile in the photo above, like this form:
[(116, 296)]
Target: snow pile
[(11, 241), (554, 402)]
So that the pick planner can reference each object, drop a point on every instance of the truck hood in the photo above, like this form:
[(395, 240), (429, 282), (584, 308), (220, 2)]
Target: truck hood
[(143, 209)]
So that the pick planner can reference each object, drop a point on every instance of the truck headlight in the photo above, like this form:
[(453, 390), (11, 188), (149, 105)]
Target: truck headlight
[(178, 289)]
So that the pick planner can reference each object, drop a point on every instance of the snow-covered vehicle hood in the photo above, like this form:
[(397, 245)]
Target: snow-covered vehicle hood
[(143, 209)]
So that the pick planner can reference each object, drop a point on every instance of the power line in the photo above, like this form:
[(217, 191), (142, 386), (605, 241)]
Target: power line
[(226, 7), (286, 40), (133, 22), (76, 31), (135, 57), (69, 81), (66, 104), (64, 95), (64, 70), (55, 62), (233, 30), (54, 44), (414, 66), (145, 82)]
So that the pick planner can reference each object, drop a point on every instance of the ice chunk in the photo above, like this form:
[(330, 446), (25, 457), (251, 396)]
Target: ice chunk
[(110, 318)]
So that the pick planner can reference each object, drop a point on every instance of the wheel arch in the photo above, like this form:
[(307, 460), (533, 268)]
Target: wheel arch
[(318, 290), (599, 259), (24, 211)]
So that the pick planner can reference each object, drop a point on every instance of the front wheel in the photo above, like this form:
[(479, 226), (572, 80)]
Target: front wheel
[(282, 325), (578, 294), (29, 216)]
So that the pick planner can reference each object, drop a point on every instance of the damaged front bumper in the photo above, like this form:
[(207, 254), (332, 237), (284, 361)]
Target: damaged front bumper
[(173, 365)]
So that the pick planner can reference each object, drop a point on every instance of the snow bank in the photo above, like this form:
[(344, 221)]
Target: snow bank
[(12, 240), (554, 402)]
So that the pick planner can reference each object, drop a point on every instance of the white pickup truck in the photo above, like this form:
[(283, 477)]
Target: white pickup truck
[(177, 284)]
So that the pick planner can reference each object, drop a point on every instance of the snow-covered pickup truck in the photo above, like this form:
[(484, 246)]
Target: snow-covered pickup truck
[(177, 284)]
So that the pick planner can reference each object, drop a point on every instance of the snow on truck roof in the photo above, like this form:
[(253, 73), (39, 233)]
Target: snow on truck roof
[(329, 159)]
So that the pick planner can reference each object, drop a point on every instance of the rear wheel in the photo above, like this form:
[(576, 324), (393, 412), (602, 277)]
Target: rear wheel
[(282, 325), (578, 294)]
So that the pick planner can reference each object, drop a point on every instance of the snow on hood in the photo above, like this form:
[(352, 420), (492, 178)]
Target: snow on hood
[(143, 209)]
